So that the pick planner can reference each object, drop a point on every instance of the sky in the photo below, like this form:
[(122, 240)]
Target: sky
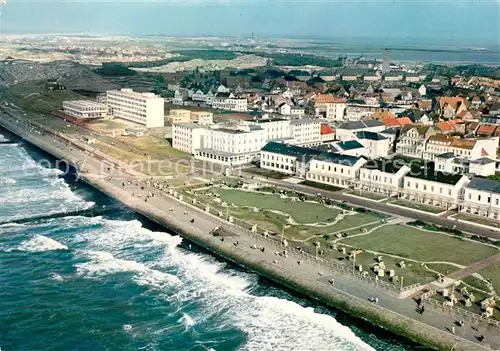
[(471, 22)]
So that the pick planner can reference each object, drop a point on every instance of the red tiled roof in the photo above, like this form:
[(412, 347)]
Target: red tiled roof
[(390, 122), (404, 120), (444, 126), (450, 100), (324, 99), (486, 129), (326, 129)]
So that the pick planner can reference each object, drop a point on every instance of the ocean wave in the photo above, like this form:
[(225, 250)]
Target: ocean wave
[(39, 243), (7, 181), (270, 323), (187, 321), (103, 263), (225, 296)]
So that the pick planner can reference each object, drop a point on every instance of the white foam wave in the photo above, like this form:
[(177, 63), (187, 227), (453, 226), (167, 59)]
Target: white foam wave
[(270, 323), (40, 243), (33, 185), (104, 263), (187, 321), (57, 277), (12, 225), (7, 181)]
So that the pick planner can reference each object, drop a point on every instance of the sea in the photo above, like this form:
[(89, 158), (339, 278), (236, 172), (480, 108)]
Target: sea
[(78, 271)]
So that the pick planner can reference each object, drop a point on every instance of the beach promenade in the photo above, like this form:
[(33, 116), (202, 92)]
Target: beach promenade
[(311, 278)]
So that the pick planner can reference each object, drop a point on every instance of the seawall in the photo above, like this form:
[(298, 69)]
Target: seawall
[(303, 284)]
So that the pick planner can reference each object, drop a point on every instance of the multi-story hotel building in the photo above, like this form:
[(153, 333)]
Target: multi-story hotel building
[(141, 108), (85, 109)]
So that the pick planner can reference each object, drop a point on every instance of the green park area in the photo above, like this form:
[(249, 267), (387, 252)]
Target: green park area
[(154, 145), (423, 246), (417, 206), (368, 195), (305, 217)]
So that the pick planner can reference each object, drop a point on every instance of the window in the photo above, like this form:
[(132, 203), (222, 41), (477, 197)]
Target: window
[(449, 192), (489, 199), (479, 198), (425, 187), (496, 202), (470, 196)]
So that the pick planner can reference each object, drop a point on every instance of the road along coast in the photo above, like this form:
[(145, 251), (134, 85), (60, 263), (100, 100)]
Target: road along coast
[(311, 278)]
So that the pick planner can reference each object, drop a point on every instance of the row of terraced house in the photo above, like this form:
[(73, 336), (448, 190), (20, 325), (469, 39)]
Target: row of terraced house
[(418, 182)]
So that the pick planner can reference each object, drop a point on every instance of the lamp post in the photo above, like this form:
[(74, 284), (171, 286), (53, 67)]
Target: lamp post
[(354, 262)]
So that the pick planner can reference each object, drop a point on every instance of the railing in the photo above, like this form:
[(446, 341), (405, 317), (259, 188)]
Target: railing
[(226, 225), (475, 317)]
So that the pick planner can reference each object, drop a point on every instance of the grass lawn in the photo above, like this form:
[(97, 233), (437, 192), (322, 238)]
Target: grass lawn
[(443, 268), (154, 145), (419, 245), (368, 195), (301, 212), (119, 154), (479, 220), (320, 185), (266, 173), (34, 97), (492, 273), (417, 206)]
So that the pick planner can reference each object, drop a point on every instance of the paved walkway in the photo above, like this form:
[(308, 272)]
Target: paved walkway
[(475, 267)]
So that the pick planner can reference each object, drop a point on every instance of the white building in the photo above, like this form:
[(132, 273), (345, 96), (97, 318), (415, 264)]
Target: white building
[(228, 101), (305, 131), (329, 107), (274, 129), (413, 139), (376, 145), (335, 169), (187, 137), (450, 163), (482, 198), (142, 108), (382, 177), (199, 96), (437, 189), (290, 110), (85, 109), (180, 97), (202, 117), (227, 145), (288, 159), (468, 149)]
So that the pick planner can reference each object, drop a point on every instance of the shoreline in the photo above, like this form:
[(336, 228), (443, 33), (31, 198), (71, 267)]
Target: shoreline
[(304, 285)]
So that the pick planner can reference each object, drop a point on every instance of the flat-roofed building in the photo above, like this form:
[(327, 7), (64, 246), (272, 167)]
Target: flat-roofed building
[(85, 109), (482, 198), (142, 108), (287, 159), (335, 169), (306, 131), (382, 176), (436, 189), (179, 116), (187, 137), (202, 117), (227, 145)]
